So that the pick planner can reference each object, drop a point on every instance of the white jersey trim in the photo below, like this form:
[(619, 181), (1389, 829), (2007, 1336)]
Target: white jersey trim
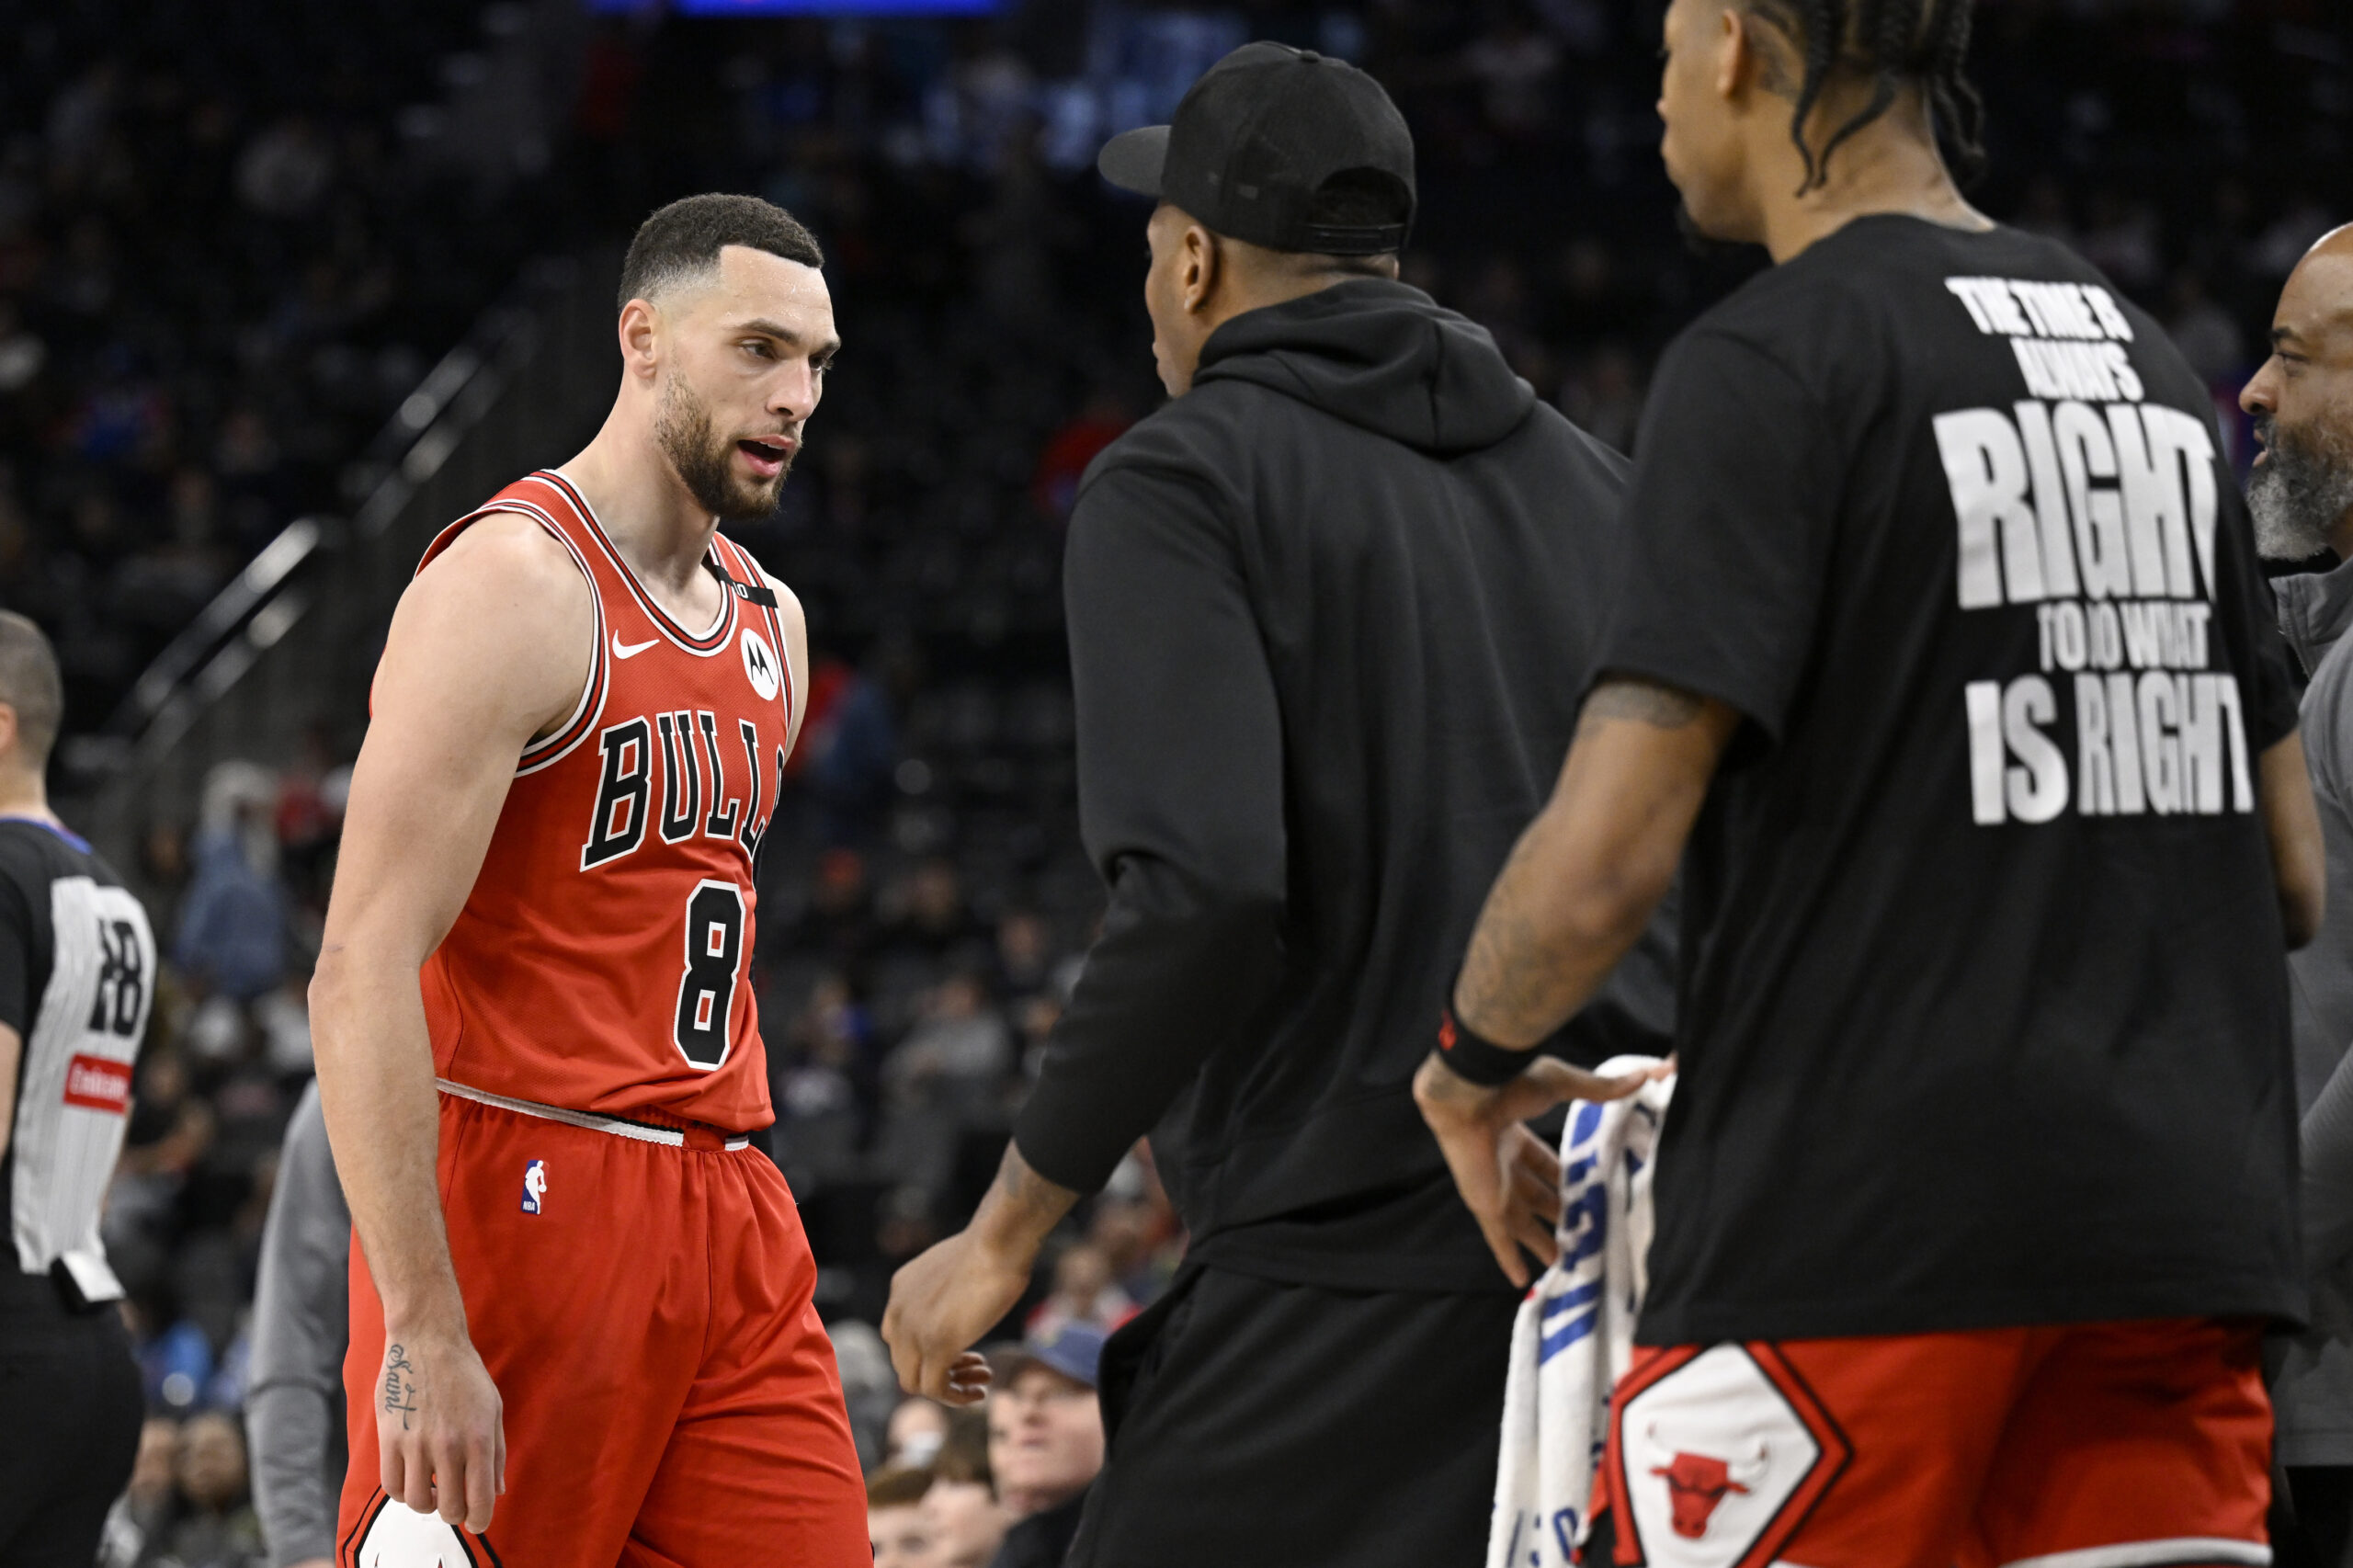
[(720, 639), (582, 724), (637, 1131)]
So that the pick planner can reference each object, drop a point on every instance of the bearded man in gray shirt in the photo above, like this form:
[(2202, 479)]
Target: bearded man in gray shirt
[(2301, 497)]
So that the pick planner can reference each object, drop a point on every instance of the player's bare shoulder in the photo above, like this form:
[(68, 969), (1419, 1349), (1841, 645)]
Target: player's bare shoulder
[(503, 610)]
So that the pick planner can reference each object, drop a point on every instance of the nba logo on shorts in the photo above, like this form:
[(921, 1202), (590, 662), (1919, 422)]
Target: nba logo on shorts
[(535, 1185)]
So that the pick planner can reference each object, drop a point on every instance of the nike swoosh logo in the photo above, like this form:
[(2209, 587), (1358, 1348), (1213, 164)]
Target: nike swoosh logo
[(629, 650)]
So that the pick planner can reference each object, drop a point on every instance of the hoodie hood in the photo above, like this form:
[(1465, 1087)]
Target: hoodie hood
[(1379, 355)]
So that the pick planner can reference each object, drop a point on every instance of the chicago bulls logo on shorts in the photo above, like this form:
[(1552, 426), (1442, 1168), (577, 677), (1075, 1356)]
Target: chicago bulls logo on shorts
[(1697, 1482), (1722, 1452)]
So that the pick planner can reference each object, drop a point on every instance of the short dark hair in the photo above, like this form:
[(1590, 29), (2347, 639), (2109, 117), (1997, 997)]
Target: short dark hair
[(31, 683), (1893, 42), (684, 239), (897, 1487)]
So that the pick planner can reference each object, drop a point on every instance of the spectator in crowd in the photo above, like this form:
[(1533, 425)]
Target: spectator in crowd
[(945, 1078), (1045, 1440), (852, 745), (209, 1523), (959, 1051), (1084, 1294), (233, 926), (138, 1528), (1025, 954), (869, 1391), (915, 1432), (966, 1520), (894, 1517), (2302, 497)]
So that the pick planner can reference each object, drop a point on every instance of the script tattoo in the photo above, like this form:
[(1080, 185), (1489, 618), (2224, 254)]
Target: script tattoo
[(400, 1385)]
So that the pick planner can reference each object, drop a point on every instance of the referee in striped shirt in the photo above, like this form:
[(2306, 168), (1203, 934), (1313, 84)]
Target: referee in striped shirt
[(77, 976)]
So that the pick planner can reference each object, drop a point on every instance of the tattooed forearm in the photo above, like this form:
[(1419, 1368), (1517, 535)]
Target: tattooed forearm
[(1021, 1206), (1511, 989), (1593, 865), (1620, 697)]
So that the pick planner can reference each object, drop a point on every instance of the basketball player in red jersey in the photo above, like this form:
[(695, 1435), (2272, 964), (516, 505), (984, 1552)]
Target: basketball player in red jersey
[(581, 1327)]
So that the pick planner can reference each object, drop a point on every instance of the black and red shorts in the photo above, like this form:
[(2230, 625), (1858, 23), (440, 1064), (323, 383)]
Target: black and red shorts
[(2114, 1445)]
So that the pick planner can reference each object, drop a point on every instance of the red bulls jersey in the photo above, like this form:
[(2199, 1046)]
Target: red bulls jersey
[(602, 962)]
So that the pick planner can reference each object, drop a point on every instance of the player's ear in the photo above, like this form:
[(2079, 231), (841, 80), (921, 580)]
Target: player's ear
[(1204, 261), (639, 329), (7, 730), (1740, 58)]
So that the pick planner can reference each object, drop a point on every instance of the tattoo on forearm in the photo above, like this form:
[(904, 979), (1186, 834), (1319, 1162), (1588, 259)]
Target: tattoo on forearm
[(1507, 991), (401, 1387), (1648, 702), (1026, 1193)]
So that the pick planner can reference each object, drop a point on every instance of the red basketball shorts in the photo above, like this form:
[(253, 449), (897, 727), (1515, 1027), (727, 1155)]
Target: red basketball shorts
[(670, 1397), (2118, 1445)]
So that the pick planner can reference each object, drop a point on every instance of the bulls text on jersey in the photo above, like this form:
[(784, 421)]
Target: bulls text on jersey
[(693, 769)]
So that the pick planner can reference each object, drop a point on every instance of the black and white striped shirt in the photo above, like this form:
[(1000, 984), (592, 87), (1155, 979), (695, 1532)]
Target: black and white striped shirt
[(77, 976)]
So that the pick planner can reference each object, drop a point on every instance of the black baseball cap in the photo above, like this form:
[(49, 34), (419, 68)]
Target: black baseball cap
[(1259, 136)]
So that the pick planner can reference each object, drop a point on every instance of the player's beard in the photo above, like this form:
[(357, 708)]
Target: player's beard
[(705, 461), (2300, 491)]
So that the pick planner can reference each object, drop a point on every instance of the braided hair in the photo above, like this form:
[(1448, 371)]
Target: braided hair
[(1896, 41)]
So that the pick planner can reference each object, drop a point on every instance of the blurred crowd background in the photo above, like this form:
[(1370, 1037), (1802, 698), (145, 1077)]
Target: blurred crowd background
[(233, 239)]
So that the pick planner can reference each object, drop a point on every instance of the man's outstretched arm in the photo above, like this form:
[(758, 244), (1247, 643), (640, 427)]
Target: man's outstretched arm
[(954, 1292), (489, 647), (1575, 893)]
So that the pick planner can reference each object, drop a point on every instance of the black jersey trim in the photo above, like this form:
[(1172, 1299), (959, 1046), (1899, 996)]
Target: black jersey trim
[(773, 614), (721, 636), (350, 1549)]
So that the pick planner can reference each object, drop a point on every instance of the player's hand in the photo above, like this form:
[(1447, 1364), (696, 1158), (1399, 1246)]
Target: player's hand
[(940, 1303), (1508, 1179), (439, 1426)]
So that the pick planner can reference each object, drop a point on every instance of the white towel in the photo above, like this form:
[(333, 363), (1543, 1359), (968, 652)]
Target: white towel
[(1575, 1331)]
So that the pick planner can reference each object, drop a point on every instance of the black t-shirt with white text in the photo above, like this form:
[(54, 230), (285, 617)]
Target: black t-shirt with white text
[(1985, 1009)]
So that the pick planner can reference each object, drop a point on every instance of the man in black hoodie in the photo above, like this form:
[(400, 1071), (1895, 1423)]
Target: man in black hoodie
[(1331, 612)]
